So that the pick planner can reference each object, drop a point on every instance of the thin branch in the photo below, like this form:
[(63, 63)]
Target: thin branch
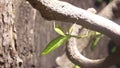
[(77, 58), (63, 11)]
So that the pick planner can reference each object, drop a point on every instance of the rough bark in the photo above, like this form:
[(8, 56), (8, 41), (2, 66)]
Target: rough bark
[(9, 55)]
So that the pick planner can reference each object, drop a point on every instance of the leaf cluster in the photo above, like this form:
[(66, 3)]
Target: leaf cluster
[(63, 37)]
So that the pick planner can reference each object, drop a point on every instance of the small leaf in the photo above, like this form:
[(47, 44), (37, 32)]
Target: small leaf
[(97, 33), (55, 43), (76, 66), (84, 35), (71, 28), (58, 29), (95, 41)]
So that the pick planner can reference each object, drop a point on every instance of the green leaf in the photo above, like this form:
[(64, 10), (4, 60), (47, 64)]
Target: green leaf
[(55, 43), (71, 28), (58, 29), (84, 35), (97, 33), (95, 41), (76, 66)]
